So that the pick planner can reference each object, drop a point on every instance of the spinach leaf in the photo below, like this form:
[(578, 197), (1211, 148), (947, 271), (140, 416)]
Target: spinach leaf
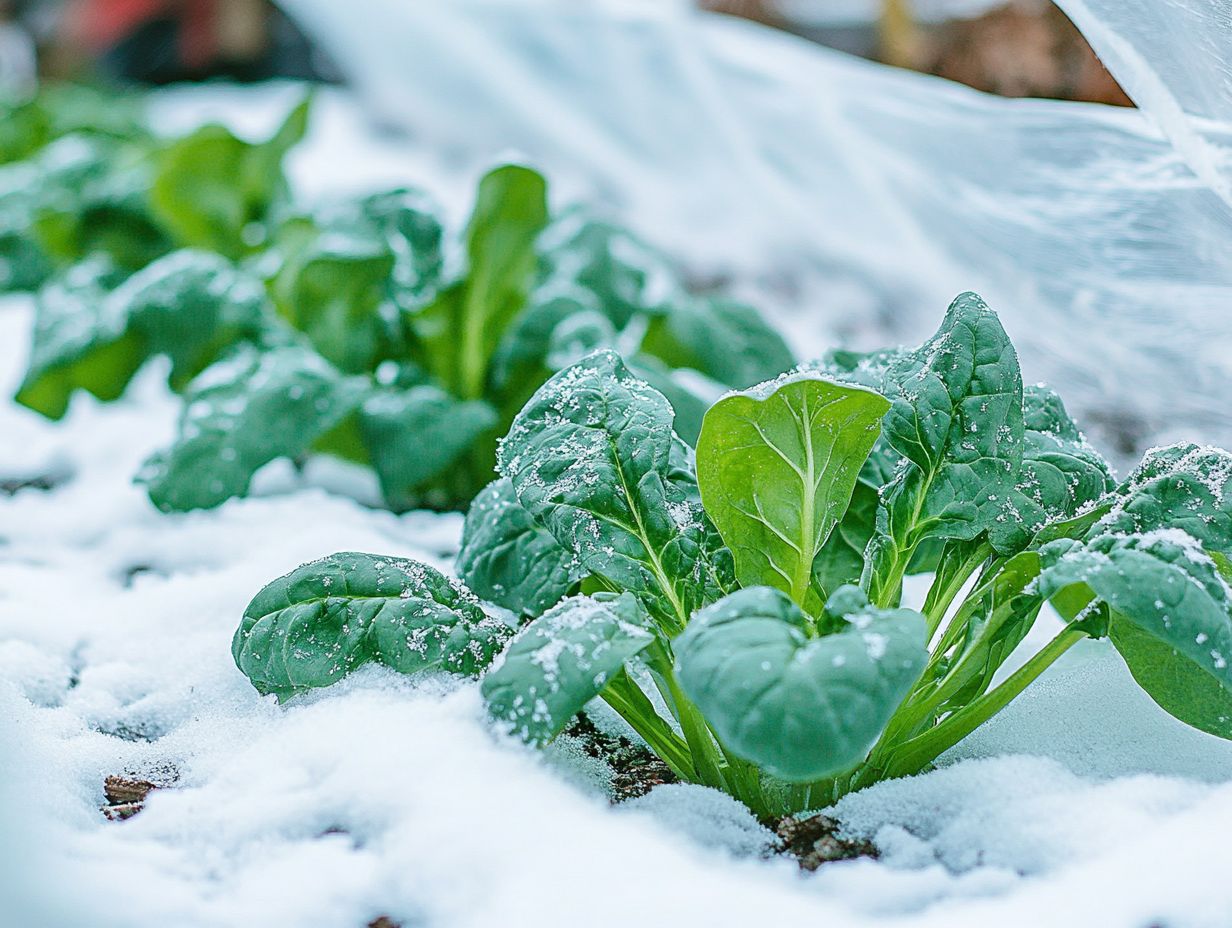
[(190, 306), (562, 660), (511, 560), (627, 277), (800, 706), (209, 186), (241, 413), (1171, 616), (336, 292), (414, 436), (728, 342), (462, 326), (81, 341), (1060, 475), (1182, 486), (321, 621), (590, 458), (956, 418), (777, 467)]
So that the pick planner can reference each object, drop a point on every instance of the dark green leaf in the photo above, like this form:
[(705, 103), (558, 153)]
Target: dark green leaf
[(241, 413), (324, 619), (336, 291), (799, 706), (1172, 616), (727, 341), (81, 341), (591, 459), (511, 560), (563, 660), (414, 436), (957, 420)]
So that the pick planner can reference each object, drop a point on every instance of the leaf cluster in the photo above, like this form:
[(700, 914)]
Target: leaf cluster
[(360, 329), (741, 606)]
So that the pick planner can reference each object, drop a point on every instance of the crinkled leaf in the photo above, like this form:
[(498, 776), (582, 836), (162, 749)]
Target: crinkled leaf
[(321, 621), (777, 467), (1183, 486), (563, 660), (1171, 616), (957, 421), (799, 706), (414, 436), (511, 560), (1060, 475), (689, 393), (241, 413), (591, 459)]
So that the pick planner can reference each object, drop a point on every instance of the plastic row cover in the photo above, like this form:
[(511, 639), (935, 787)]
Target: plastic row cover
[(1103, 236)]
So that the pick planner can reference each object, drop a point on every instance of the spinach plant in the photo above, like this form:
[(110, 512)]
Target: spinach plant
[(359, 330), (741, 607)]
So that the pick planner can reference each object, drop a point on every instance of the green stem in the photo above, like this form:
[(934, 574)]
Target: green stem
[(702, 747), (916, 754), (945, 587), (632, 705)]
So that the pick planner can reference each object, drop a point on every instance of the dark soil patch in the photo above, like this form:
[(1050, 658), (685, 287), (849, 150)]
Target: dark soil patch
[(126, 794), (815, 840), (637, 771), (11, 486)]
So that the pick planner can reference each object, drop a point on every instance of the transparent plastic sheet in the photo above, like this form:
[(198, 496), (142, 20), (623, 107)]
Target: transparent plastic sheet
[(868, 196)]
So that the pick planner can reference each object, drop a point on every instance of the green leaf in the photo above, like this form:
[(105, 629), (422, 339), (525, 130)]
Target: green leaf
[(241, 413), (461, 328), (727, 341), (627, 276), (210, 186), (1061, 474), (1172, 616), (1183, 486), (520, 363), (591, 459), (689, 393), (190, 306), (414, 436), (957, 421), (561, 661), (841, 559), (799, 706), (318, 623), (777, 467), (81, 341), (511, 560), (336, 292)]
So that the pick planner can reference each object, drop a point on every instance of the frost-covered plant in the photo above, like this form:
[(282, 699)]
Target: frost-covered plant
[(360, 330), (744, 614)]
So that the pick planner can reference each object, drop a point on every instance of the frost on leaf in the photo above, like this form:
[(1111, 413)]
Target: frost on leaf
[(324, 619), (561, 661)]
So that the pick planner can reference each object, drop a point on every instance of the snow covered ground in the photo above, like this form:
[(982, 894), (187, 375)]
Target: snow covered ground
[(1082, 805)]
